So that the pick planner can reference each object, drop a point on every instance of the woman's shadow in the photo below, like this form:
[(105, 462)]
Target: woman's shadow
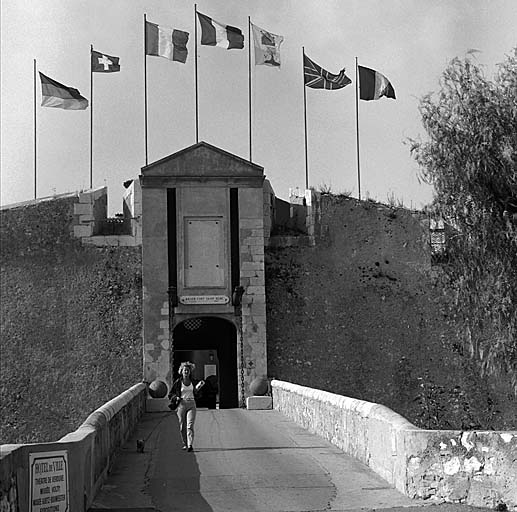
[(173, 476)]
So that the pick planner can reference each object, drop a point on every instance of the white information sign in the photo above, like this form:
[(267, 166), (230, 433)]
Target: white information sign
[(49, 482), (204, 299)]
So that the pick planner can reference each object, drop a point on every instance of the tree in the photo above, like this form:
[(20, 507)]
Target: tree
[(470, 156)]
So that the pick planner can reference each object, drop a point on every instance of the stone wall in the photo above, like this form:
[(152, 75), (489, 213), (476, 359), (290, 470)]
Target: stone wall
[(90, 450), (477, 468), (252, 279), (361, 314), (155, 301), (72, 309), (91, 212)]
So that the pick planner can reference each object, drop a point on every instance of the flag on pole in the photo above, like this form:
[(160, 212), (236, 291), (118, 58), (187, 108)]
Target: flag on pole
[(166, 42), (267, 47), (103, 63), (318, 78), (216, 34), (373, 85), (58, 95)]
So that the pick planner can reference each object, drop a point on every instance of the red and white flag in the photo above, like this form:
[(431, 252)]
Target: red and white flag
[(103, 63), (217, 34)]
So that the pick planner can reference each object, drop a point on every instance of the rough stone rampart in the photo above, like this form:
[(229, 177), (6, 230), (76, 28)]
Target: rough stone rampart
[(70, 317)]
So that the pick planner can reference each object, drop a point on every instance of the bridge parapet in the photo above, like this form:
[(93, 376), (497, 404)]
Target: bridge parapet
[(89, 453), (474, 467)]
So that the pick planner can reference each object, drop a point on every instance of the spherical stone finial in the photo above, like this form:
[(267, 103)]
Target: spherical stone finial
[(157, 389), (259, 386)]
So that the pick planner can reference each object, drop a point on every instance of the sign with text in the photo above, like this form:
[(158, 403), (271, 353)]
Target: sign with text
[(204, 299), (49, 481)]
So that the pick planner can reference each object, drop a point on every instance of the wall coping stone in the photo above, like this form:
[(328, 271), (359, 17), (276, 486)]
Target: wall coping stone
[(361, 407)]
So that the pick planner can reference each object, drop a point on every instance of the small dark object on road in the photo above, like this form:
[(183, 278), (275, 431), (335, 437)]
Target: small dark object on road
[(140, 445)]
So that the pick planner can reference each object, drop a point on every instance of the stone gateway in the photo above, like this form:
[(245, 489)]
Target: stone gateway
[(203, 269)]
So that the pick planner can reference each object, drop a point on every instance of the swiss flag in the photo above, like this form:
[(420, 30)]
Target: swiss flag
[(102, 63)]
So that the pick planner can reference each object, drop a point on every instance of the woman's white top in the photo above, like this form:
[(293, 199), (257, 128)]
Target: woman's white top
[(187, 392)]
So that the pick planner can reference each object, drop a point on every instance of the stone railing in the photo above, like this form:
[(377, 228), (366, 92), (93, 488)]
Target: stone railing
[(87, 454), (471, 467)]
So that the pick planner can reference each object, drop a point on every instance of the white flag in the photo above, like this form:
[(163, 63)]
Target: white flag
[(267, 47)]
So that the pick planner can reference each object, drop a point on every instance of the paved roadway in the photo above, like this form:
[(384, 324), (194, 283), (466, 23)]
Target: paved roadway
[(242, 461)]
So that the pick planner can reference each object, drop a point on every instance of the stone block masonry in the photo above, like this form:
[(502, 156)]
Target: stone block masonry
[(252, 236), (476, 468), (90, 211)]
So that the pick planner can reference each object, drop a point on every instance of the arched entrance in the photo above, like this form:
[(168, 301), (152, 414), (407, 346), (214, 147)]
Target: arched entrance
[(210, 343)]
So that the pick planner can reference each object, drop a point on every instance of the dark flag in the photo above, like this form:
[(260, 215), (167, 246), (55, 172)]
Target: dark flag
[(318, 78), (102, 63), (373, 85), (57, 95)]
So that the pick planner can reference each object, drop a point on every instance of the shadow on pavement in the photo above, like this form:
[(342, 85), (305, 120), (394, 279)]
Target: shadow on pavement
[(173, 479), (154, 476), (269, 448)]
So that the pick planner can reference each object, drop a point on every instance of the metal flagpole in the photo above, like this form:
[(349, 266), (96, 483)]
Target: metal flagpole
[(145, 86), (195, 72), (35, 128), (305, 121), (357, 125), (249, 81), (91, 118)]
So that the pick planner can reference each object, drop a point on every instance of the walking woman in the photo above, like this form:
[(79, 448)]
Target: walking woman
[(185, 390)]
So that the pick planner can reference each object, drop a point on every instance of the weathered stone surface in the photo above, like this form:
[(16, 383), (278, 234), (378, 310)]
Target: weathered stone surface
[(478, 468), (255, 403)]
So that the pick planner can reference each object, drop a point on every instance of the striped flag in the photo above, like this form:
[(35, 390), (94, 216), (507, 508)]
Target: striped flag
[(216, 34), (166, 42), (373, 85), (57, 95), (318, 78)]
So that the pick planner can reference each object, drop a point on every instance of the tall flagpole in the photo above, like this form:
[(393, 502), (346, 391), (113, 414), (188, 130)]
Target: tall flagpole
[(249, 81), (91, 118), (145, 86), (195, 72), (305, 121), (35, 128), (357, 126)]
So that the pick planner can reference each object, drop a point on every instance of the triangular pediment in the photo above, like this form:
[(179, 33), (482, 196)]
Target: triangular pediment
[(203, 160)]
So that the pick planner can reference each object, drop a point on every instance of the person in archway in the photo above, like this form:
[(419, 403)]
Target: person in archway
[(186, 389)]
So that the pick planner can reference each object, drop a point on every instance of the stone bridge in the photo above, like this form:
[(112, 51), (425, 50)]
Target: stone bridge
[(313, 451)]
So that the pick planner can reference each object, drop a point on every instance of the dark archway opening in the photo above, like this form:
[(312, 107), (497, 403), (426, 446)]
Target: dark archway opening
[(210, 343)]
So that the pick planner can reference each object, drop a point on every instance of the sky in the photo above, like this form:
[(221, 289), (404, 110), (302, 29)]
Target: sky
[(409, 41)]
